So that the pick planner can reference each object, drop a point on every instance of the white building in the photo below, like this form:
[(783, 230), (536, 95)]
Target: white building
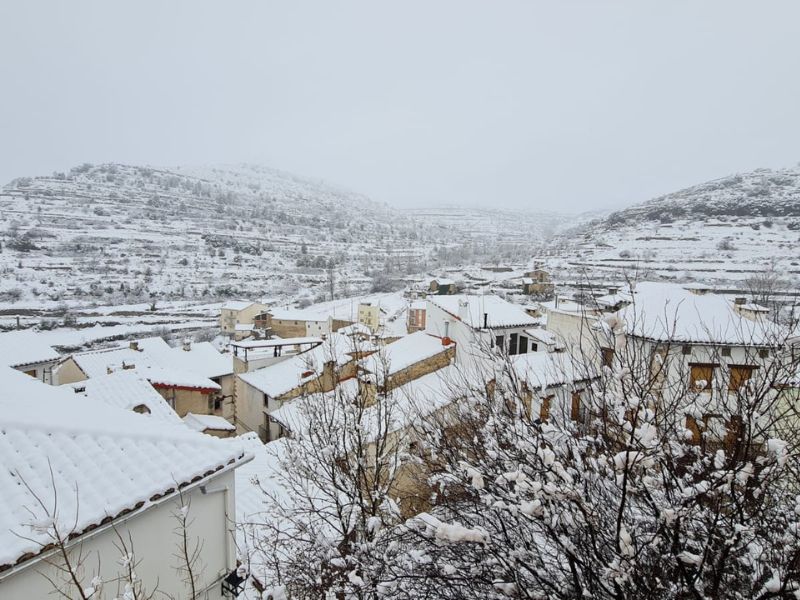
[(87, 476), (27, 352), (238, 312), (480, 321)]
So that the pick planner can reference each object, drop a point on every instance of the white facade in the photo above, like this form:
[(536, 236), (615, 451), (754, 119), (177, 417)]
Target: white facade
[(473, 341), (155, 543)]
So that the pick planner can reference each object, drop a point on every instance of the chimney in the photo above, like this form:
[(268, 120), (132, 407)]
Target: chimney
[(187, 345), (135, 346)]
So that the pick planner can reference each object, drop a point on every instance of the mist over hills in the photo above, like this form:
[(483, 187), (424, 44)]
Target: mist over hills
[(122, 233)]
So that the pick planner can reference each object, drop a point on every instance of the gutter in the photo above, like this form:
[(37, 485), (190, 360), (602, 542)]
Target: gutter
[(115, 522)]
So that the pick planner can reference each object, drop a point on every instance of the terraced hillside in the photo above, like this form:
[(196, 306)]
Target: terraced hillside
[(721, 233), (116, 234)]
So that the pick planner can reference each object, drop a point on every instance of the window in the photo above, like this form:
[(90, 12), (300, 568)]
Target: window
[(701, 376), (726, 351), (763, 353), (740, 375), (500, 342), (544, 411), (534, 347), (576, 406), (686, 350), (607, 356), (691, 425), (512, 344), (523, 345)]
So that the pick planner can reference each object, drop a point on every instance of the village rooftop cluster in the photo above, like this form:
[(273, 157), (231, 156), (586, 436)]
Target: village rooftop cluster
[(123, 438)]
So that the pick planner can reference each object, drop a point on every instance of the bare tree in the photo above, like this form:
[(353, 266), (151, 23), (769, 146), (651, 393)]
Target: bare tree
[(339, 488), (189, 549), (67, 565), (646, 477)]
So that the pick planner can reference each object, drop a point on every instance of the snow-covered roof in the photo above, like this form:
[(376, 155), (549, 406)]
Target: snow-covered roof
[(237, 304), (169, 377), (442, 281), (668, 312), (407, 404), (98, 362), (127, 390), (160, 363), (280, 378), (354, 329), (610, 300), (206, 422), (471, 310), (296, 314), (541, 335), (18, 348), (201, 358), (541, 370), (752, 307), (100, 461), (404, 352)]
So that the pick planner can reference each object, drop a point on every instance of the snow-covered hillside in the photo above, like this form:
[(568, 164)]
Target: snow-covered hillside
[(117, 234), (720, 233)]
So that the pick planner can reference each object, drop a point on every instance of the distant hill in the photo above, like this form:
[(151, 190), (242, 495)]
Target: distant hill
[(759, 193), (721, 233), (114, 233)]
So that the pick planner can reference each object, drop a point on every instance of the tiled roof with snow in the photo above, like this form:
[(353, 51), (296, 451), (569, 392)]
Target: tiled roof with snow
[(100, 461), (18, 348), (98, 362), (471, 310), (346, 309), (160, 363), (169, 377), (279, 378), (404, 405), (404, 352), (541, 370), (201, 358), (205, 422), (668, 312), (127, 390)]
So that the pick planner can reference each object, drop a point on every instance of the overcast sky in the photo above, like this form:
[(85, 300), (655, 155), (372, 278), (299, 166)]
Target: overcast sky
[(558, 105)]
